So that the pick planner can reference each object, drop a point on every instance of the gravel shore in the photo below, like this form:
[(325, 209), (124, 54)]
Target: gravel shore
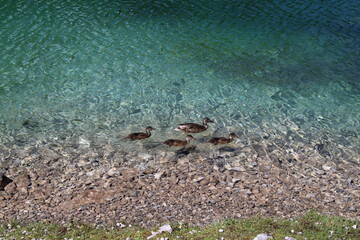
[(107, 185)]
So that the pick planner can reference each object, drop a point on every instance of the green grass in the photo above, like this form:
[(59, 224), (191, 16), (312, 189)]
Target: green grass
[(309, 226)]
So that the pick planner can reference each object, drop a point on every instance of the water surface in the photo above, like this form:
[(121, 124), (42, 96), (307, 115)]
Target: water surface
[(87, 73)]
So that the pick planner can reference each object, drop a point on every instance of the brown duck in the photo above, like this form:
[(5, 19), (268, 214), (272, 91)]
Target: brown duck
[(194, 127), (140, 135), (178, 142), (223, 140)]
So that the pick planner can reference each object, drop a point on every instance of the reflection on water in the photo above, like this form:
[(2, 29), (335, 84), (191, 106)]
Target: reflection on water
[(90, 72)]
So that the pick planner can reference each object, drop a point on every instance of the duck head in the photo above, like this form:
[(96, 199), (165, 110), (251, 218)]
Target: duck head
[(207, 120), (189, 138), (149, 128), (232, 136)]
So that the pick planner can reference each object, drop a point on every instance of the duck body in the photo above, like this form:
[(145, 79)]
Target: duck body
[(194, 127), (178, 142), (223, 140), (140, 135)]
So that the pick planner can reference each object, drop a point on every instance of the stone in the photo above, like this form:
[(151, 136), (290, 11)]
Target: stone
[(263, 236), (198, 179), (22, 182), (164, 228), (128, 174), (326, 168), (159, 175), (113, 172), (10, 188)]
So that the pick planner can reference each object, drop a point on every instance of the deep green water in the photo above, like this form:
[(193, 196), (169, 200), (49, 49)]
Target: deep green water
[(97, 70)]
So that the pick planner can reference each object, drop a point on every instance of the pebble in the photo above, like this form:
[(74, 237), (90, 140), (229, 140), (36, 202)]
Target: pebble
[(192, 231), (120, 225), (159, 175), (326, 168), (263, 236), (113, 172), (289, 238)]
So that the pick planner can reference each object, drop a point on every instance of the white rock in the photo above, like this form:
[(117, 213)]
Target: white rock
[(263, 236), (289, 238), (198, 179), (158, 175), (354, 226), (221, 230), (235, 180), (326, 168), (120, 225), (165, 228)]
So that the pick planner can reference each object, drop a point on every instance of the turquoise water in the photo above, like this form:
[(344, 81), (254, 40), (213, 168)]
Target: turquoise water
[(90, 72)]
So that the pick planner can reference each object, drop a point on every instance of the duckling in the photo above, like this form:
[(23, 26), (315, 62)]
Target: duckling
[(194, 127), (140, 135), (178, 142), (223, 140)]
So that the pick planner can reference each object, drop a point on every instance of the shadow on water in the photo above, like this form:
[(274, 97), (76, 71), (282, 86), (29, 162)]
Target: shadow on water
[(272, 25)]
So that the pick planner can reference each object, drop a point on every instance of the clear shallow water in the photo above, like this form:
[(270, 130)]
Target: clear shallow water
[(94, 71)]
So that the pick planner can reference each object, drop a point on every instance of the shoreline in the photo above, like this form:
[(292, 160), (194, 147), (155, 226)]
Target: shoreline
[(185, 188)]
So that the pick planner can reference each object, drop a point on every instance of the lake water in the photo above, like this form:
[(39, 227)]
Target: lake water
[(87, 73)]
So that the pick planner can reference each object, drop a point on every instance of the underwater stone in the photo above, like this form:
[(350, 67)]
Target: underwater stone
[(84, 142), (30, 124), (145, 156), (319, 146)]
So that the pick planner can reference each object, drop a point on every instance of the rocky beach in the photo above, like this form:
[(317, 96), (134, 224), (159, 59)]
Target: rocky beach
[(105, 184), (77, 77)]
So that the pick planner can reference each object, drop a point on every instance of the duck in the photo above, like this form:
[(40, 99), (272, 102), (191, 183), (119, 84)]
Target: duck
[(194, 127), (141, 135), (223, 140), (178, 142)]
